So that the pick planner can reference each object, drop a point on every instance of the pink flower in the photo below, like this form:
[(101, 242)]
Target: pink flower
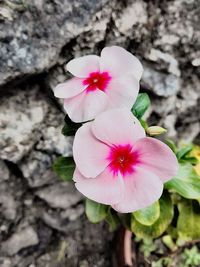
[(100, 83), (117, 165)]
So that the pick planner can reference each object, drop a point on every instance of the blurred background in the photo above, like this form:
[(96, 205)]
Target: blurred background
[(42, 221)]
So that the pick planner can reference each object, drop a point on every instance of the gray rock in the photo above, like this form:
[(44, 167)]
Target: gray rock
[(50, 259), (41, 38), (34, 39), (164, 106), (160, 84), (54, 142), (25, 238), (54, 221), (134, 14), (20, 117), (8, 205), (187, 133), (5, 262), (4, 172), (180, 30), (73, 213), (37, 169), (169, 124), (10, 193), (61, 195), (160, 57), (190, 93)]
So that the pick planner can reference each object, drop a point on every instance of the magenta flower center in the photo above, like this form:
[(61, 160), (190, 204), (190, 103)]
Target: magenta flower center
[(97, 80), (122, 159)]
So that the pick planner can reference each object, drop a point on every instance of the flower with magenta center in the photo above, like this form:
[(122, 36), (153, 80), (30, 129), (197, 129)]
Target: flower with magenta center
[(122, 159), (117, 165), (100, 83)]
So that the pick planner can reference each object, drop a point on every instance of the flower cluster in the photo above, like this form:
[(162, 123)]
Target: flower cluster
[(116, 164)]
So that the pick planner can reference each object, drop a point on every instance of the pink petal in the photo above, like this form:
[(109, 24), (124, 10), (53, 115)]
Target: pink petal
[(117, 61), (122, 92), (81, 67), (156, 157), (117, 127), (70, 88), (104, 189), (86, 106), (142, 189), (89, 153)]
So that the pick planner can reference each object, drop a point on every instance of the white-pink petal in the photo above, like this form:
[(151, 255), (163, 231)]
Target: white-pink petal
[(117, 61), (70, 88), (86, 106), (104, 189), (122, 91), (117, 127), (156, 157), (142, 189), (81, 67), (89, 154)]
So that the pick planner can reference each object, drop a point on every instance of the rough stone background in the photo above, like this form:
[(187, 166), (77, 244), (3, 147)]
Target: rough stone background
[(41, 217)]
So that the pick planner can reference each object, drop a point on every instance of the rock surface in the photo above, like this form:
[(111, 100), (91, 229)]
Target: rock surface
[(62, 195), (33, 37), (41, 218), (23, 239)]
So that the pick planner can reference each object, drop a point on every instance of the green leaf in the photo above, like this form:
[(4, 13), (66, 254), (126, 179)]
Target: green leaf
[(70, 127), (64, 167), (183, 152), (95, 212), (188, 223), (156, 229), (141, 105), (144, 124), (186, 183), (112, 219), (191, 160), (172, 231), (148, 215), (171, 144), (168, 241), (70, 130)]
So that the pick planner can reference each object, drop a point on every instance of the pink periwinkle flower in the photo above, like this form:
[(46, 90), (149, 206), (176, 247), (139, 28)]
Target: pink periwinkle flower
[(100, 83), (117, 165)]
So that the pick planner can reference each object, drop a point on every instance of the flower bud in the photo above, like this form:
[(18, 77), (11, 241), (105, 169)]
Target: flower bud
[(155, 130)]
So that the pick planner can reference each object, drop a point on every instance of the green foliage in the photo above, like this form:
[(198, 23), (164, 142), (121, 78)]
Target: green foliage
[(191, 257), (16, 6), (95, 212), (112, 219), (141, 105), (148, 215), (168, 241), (64, 168), (171, 144), (148, 246), (163, 262), (70, 130), (188, 224), (186, 182), (160, 225), (183, 152), (185, 155), (144, 124)]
